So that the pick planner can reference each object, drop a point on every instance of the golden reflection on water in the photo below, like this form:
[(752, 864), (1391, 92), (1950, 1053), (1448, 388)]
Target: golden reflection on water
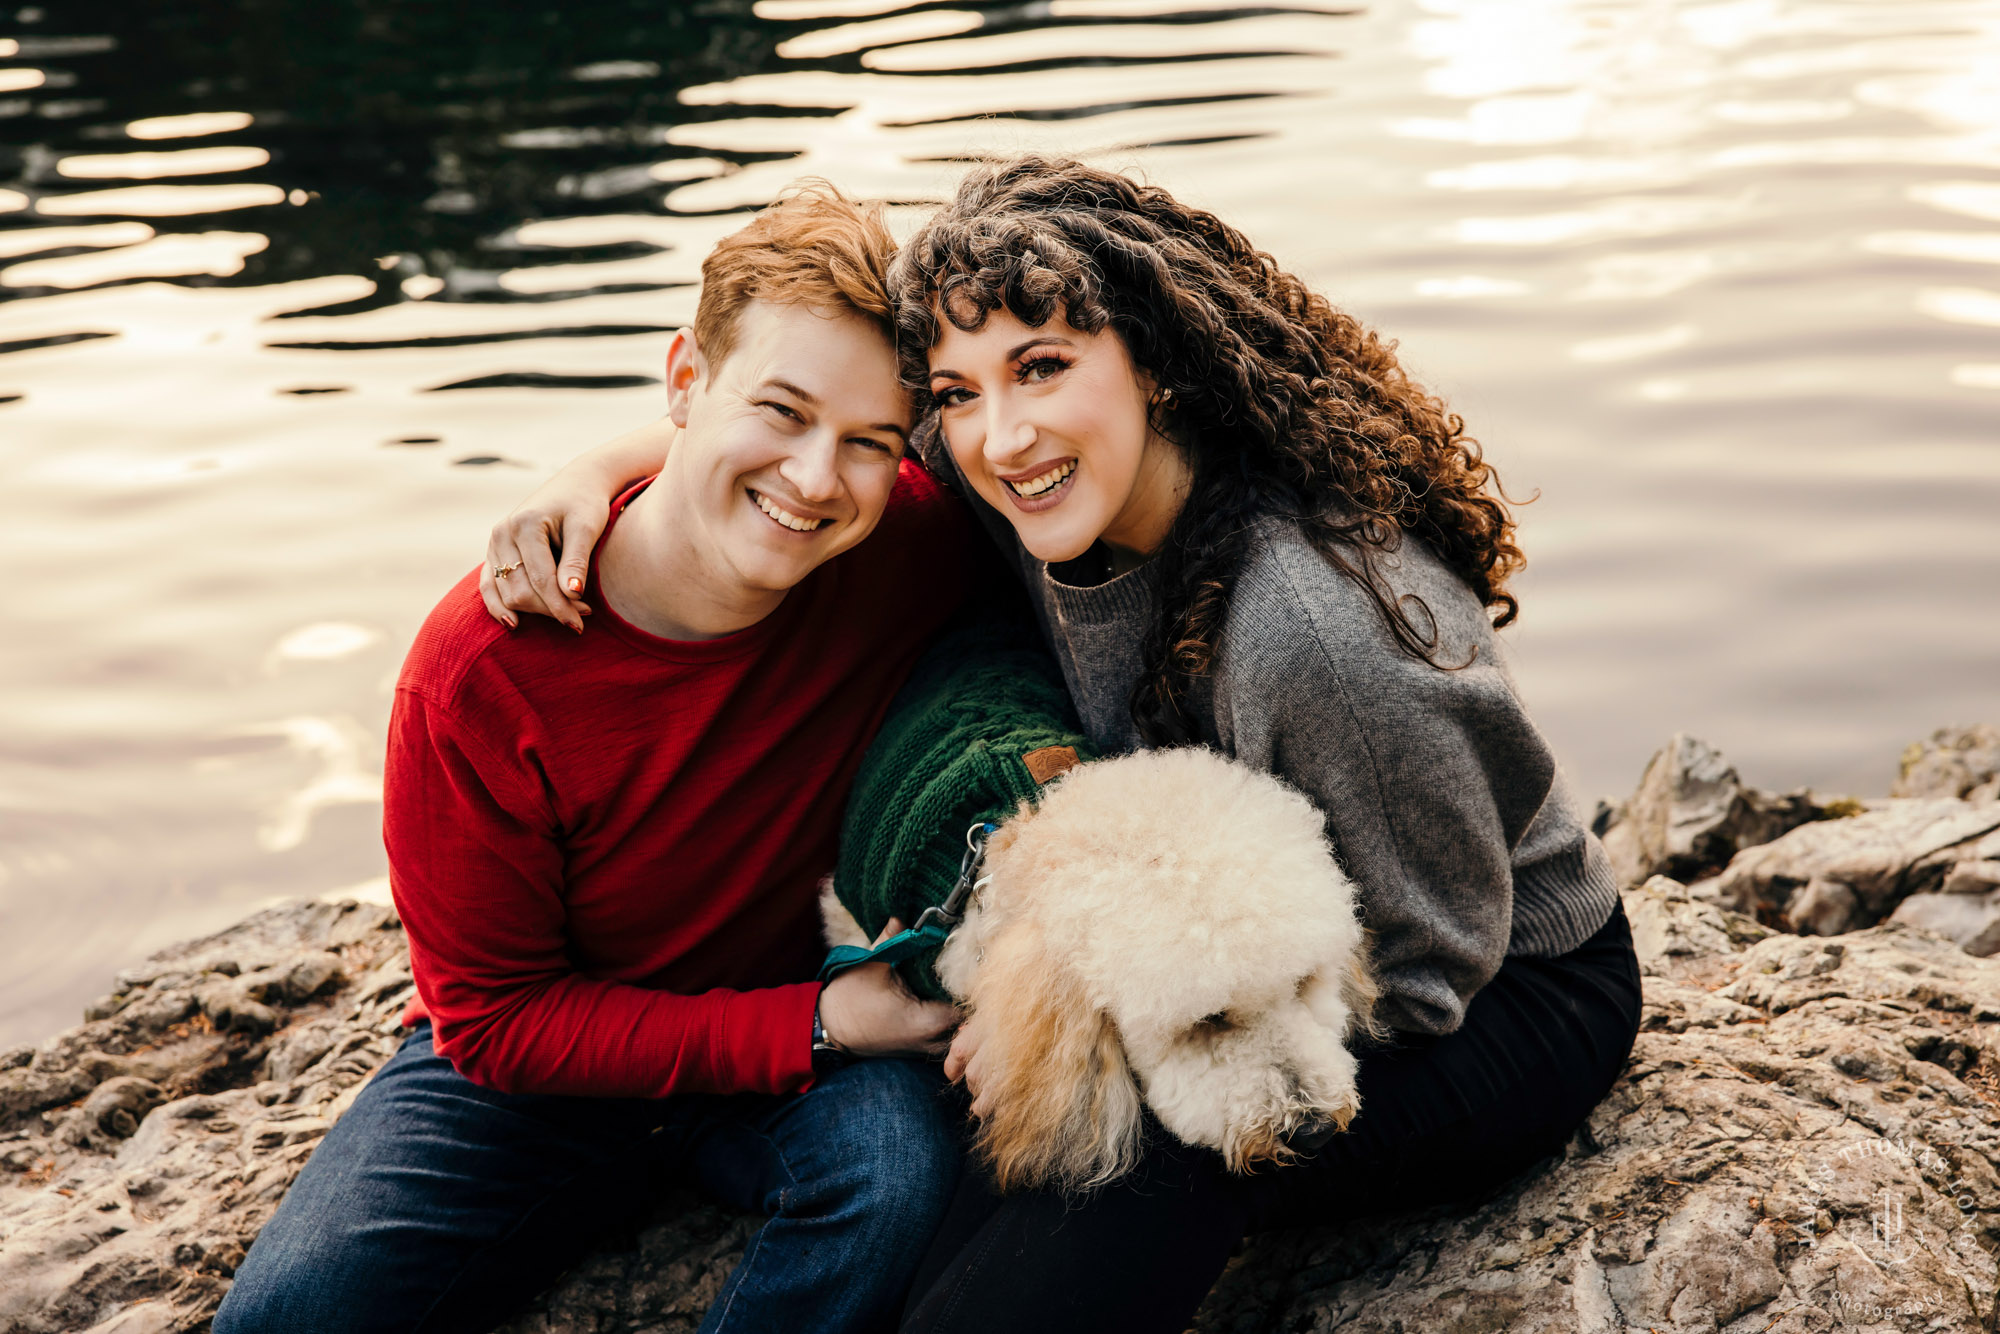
[(1716, 279), (149, 166), (217, 254), (190, 126), (159, 201)]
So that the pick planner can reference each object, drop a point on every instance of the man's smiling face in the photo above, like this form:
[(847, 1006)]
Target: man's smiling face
[(788, 447)]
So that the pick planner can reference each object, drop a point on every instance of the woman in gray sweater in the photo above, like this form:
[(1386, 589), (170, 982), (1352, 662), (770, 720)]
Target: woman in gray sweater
[(1242, 525)]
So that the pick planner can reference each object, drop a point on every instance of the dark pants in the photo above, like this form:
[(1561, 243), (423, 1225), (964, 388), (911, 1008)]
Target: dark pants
[(1440, 1119), (437, 1205)]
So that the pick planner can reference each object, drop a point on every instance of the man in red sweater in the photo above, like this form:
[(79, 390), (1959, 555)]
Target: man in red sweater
[(606, 852)]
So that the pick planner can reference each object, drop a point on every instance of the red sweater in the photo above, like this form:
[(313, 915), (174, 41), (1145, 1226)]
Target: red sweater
[(606, 850)]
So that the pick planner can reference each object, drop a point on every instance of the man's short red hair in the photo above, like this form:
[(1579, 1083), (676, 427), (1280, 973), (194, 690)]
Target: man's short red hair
[(814, 247)]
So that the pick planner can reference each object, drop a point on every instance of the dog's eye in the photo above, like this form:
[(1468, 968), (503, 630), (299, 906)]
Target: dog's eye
[(1219, 1022)]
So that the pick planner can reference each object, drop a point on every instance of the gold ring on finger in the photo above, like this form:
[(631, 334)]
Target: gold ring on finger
[(502, 571)]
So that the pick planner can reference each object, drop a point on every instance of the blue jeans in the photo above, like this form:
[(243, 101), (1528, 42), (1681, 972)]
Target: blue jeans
[(438, 1205)]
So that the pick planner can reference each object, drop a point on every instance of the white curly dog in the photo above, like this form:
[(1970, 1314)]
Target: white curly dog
[(1169, 928)]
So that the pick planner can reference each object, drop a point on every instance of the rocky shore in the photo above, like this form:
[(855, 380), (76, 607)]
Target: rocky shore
[(1805, 1138)]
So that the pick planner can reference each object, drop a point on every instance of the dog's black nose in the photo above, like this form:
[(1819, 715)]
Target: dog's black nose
[(1313, 1132)]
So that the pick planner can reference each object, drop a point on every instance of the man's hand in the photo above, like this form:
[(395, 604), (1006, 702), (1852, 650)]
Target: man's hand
[(869, 1012), (962, 1062)]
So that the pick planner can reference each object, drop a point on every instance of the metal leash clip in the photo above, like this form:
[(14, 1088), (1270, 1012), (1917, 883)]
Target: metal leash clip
[(932, 928), (947, 915)]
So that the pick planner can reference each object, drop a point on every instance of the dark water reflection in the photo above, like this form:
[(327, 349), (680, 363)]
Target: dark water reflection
[(294, 299), (423, 131), (416, 130)]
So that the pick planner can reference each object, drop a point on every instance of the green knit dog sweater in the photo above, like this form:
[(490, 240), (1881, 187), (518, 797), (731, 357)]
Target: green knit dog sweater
[(982, 723)]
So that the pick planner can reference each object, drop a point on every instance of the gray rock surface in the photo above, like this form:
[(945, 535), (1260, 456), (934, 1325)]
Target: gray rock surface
[(1691, 813), (1970, 921), (143, 1150), (1953, 762), (1805, 1140), (1806, 1137), (1839, 875), (1668, 925)]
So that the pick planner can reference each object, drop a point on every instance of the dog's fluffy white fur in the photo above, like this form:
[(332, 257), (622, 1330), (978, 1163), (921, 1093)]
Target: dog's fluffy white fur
[(1167, 927)]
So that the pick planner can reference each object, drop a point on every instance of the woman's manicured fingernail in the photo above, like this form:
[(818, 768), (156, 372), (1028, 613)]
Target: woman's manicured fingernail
[(512, 624), (575, 584)]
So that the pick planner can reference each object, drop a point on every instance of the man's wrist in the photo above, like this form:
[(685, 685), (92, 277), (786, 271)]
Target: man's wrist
[(820, 1039), (827, 1055)]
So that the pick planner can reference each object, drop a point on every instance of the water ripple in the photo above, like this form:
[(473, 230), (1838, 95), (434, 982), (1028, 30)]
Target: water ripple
[(277, 310)]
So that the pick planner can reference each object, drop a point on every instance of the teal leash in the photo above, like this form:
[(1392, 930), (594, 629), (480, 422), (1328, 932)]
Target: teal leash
[(932, 929)]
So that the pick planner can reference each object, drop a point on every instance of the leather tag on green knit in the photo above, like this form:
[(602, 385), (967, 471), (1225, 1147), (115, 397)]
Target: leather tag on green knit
[(1050, 761)]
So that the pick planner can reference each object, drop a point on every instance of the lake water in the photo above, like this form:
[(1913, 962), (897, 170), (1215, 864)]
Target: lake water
[(295, 299)]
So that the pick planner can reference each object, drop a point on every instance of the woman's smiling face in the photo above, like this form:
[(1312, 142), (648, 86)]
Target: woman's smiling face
[(1052, 428)]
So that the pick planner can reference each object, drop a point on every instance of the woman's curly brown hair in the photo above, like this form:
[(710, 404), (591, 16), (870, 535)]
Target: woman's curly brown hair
[(1282, 404)]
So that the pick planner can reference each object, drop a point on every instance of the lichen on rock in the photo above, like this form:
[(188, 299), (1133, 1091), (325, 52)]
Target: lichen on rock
[(1952, 762)]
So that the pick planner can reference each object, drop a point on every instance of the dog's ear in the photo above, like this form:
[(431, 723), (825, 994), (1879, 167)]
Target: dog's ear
[(1360, 992), (841, 928), (1065, 1106)]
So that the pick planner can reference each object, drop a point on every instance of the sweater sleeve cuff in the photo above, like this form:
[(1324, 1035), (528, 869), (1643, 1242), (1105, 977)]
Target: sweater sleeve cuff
[(767, 1035)]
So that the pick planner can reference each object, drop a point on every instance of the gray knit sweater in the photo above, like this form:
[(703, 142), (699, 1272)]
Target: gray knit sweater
[(1442, 801)]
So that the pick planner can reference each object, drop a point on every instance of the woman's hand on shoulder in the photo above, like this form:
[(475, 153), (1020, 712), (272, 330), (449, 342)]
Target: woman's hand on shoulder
[(544, 546), (563, 518)]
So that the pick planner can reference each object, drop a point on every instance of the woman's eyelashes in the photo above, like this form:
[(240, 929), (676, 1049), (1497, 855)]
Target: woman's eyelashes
[(1032, 369), (1040, 369)]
